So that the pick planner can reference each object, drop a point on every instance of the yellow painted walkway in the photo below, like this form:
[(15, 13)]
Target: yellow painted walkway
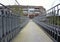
[(32, 33)]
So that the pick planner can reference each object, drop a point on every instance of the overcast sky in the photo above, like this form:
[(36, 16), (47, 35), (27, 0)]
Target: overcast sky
[(45, 3)]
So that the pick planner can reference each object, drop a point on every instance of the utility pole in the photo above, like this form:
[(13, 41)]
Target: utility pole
[(18, 5)]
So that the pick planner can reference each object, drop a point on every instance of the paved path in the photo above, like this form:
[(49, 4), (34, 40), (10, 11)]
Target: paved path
[(32, 33)]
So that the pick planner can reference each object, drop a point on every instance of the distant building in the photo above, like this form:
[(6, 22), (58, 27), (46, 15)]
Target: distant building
[(35, 10), (31, 10)]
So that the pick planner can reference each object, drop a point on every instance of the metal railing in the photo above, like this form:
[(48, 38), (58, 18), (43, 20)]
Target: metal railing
[(51, 22), (10, 24)]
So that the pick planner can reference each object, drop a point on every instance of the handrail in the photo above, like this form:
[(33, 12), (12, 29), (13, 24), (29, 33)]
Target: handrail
[(53, 7)]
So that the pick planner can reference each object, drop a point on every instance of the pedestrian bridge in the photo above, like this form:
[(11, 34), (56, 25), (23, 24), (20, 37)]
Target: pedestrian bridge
[(16, 28), (32, 33)]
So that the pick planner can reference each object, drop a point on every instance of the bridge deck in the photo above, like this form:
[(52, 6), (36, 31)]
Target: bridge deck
[(32, 33)]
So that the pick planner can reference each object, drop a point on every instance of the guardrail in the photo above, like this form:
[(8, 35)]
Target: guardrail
[(51, 22), (10, 24)]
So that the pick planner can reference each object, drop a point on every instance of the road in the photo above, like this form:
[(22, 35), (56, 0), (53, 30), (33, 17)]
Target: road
[(32, 33)]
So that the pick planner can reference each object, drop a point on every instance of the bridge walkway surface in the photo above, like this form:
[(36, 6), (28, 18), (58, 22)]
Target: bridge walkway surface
[(32, 33)]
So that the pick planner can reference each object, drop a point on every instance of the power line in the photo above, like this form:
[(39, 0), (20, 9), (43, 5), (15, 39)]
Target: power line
[(17, 2), (53, 3), (18, 5)]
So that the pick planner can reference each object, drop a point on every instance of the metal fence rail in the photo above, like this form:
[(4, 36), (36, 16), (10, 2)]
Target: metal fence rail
[(10, 24), (51, 22)]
